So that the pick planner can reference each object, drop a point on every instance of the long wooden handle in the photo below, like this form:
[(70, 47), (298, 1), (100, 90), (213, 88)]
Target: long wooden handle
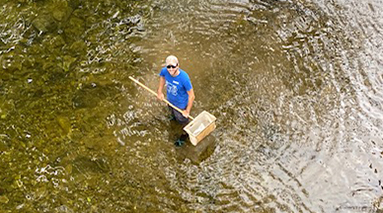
[(155, 94)]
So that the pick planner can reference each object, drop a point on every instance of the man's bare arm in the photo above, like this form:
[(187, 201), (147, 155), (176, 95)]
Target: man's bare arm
[(190, 103), (160, 94)]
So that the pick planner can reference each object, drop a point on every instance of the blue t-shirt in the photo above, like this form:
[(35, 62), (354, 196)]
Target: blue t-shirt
[(177, 88)]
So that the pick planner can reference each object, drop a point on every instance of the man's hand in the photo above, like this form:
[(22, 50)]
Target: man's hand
[(185, 113), (160, 96)]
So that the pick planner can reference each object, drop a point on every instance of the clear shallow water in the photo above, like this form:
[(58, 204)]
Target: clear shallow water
[(296, 87)]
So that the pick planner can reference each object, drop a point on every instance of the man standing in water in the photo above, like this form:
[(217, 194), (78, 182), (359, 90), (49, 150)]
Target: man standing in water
[(179, 92)]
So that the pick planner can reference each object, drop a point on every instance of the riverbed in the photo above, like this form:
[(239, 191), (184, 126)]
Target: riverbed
[(296, 87)]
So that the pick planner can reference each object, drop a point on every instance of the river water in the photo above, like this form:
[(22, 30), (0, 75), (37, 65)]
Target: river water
[(296, 87)]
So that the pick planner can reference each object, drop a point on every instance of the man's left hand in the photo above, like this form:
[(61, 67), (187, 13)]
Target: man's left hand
[(185, 113)]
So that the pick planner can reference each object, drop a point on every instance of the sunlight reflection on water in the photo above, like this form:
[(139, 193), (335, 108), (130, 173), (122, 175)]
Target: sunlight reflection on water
[(295, 86)]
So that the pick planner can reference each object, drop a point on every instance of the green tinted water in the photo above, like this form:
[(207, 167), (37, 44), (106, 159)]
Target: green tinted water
[(60, 82), (295, 86)]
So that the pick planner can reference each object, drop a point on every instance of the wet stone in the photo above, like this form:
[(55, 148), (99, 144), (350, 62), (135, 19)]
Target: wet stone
[(91, 144), (56, 42), (67, 61), (58, 15), (69, 168), (4, 199), (60, 10), (84, 164), (78, 47), (82, 100), (3, 147), (64, 123), (44, 23), (89, 96), (75, 27)]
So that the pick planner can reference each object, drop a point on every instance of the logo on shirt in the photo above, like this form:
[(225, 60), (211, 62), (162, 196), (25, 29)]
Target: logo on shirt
[(171, 88)]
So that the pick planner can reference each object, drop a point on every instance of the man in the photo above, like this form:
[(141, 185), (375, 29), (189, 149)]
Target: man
[(179, 92)]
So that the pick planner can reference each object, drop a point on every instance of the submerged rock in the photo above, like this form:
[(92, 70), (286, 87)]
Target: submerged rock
[(44, 23), (4, 199), (65, 124), (3, 147), (67, 62), (90, 95), (83, 164), (60, 10)]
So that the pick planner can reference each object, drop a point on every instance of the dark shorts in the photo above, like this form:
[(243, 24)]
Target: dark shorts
[(178, 116)]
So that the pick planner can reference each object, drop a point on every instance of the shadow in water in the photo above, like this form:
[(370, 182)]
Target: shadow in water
[(199, 153)]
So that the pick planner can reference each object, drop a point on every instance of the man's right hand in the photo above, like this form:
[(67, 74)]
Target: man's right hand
[(160, 96)]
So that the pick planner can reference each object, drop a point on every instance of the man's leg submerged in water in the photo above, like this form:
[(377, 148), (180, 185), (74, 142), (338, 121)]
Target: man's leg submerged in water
[(183, 121)]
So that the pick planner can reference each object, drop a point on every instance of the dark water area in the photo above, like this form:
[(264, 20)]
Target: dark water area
[(296, 86)]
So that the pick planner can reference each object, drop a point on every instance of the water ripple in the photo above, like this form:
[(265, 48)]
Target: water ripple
[(287, 109)]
